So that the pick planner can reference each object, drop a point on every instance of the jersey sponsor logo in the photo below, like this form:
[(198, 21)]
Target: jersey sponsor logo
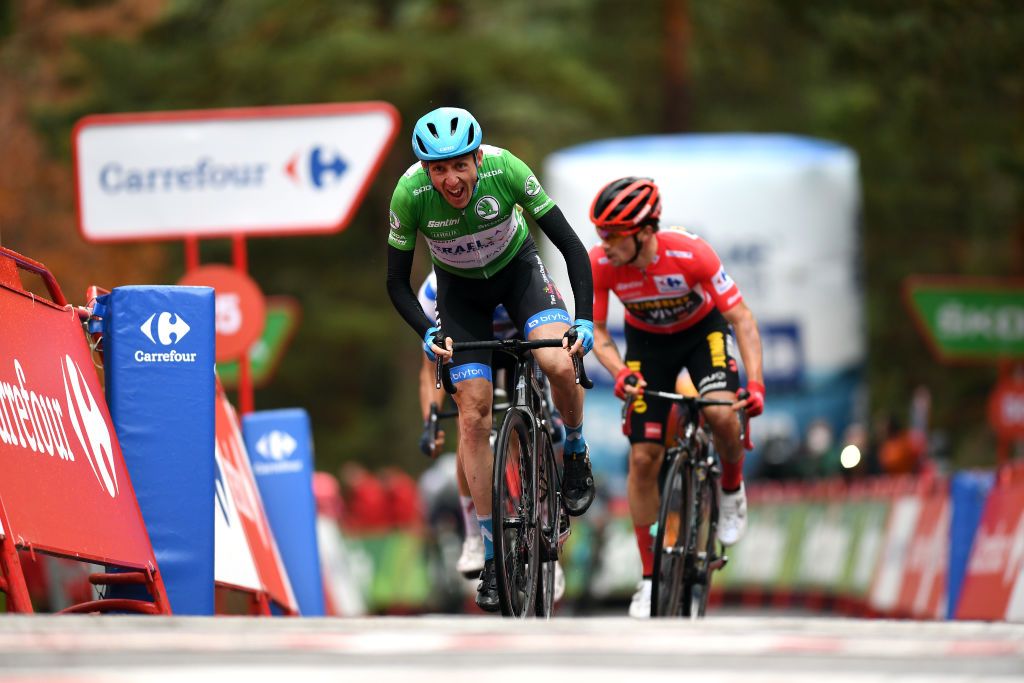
[(676, 253), (716, 381), (460, 373), (652, 430), (552, 315), (716, 345), (420, 190), (446, 223), (487, 208), (722, 282), (628, 285), (474, 251), (488, 174), (396, 224), (532, 187), (665, 310), (673, 282)]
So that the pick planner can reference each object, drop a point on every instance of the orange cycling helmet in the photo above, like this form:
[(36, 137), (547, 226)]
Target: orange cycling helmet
[(625, 206)]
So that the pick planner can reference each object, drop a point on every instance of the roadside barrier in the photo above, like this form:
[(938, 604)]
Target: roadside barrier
[(65, 488)]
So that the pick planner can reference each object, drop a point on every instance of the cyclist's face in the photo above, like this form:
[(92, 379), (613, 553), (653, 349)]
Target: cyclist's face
[(455, 178), (620, 249)]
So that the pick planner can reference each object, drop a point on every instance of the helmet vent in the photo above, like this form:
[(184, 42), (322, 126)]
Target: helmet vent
[(472, 134), (454, 125), (433, 130)]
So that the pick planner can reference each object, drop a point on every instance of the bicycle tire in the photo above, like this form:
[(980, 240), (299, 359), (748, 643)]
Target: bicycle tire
[(707, 527), (514, 515), (548, 509), (670, 539)]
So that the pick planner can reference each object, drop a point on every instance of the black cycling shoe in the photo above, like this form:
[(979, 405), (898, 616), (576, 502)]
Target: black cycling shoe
[(578, 483), (487, 590)]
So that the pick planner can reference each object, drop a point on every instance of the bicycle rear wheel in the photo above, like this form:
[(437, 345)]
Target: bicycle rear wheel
[(514, 515), (548, 508)]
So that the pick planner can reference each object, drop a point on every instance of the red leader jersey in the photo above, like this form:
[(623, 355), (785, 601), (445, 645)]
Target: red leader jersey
[(683, 283)]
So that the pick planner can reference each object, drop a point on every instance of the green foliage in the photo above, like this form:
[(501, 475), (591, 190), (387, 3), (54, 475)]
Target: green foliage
[(928, 92)]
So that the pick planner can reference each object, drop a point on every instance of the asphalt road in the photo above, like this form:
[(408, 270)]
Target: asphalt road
[(719, 649)]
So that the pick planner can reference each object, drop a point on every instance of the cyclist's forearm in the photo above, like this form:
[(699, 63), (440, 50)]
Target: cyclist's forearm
[(605, 349), (577, 262), (400, 291), (748, 339)]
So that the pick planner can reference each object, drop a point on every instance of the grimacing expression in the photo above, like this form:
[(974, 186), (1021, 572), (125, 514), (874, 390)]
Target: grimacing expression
[(620, 249), (455, 178)]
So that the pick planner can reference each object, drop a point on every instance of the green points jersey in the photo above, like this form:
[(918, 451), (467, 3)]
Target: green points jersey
[(481, 239)]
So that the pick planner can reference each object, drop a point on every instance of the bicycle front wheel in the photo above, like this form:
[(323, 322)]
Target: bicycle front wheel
[(670, 587), (549, 507), (514, 515)]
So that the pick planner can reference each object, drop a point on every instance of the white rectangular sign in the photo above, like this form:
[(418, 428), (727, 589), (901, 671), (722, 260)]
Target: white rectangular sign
[(258, 171)]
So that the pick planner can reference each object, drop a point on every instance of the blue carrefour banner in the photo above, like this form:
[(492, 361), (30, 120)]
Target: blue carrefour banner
[(280, 446), (968, 492), (159, 359)]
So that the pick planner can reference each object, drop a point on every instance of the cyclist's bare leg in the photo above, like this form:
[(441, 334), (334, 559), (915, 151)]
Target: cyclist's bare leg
[(642, 482), (557, 365), (460, 479), (725, 427), (474, 400)]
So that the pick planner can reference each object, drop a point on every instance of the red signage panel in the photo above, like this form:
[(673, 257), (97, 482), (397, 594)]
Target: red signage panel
[(239, 476), (241, 308), (997, 556), (65, 487)]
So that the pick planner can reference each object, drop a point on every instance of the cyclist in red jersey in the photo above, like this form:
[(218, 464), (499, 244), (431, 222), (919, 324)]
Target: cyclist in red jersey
[(680, 305)]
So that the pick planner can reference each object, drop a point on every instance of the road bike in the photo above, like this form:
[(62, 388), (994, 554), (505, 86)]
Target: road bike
[(685, 553), (529, 517)]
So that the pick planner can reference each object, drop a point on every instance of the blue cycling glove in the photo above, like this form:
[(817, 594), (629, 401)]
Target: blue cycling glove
[(432, 336), (585, 332)]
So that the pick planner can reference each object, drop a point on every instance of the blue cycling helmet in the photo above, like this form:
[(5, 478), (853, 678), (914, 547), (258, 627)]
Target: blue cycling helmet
[(445, 133)]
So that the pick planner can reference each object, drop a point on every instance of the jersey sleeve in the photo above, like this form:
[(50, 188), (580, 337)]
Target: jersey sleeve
[(402, 218), (711, 274), (601, 285), (525, 187)]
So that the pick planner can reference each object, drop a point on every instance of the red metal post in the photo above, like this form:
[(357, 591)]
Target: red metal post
[(246, 400), (191, 253), (18, 599)]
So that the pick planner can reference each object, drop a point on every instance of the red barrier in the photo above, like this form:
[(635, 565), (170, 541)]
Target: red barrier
[(994, 586), (239, 477), (65, 488)]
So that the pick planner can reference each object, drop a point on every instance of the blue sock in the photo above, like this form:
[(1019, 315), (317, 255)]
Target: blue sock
[(487, 531), (574, 442)]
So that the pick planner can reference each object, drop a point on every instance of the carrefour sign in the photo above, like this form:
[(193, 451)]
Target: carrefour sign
[(258, 171)]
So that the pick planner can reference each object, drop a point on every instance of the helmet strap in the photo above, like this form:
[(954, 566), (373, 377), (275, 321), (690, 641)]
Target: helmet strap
[(636, 248)]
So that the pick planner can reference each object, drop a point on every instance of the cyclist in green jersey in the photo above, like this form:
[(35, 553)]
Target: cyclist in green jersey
[(467, 199)]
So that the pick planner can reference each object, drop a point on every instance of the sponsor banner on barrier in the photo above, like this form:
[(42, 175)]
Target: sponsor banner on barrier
[(826, 546), (234, 564), (280, 443), (64, 486), (237, 470), (866, 549), (923, 589), (159, 358), (899, 532), (993, 587), (759, 560)]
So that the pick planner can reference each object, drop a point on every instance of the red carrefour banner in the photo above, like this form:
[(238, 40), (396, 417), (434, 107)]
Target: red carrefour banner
[(923, 590), (993, 587), (64, 486), (238, 473)]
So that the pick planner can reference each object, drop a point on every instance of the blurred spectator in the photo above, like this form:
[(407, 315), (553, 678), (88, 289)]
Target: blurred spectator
[(403, 499), (819, 457), (365, 499)]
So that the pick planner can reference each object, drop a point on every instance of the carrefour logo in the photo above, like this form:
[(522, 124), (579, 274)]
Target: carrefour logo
[(36, 422), (165, 329), (487, 208), (89, 425), (170, 328), (276, 449), (323, 166)]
